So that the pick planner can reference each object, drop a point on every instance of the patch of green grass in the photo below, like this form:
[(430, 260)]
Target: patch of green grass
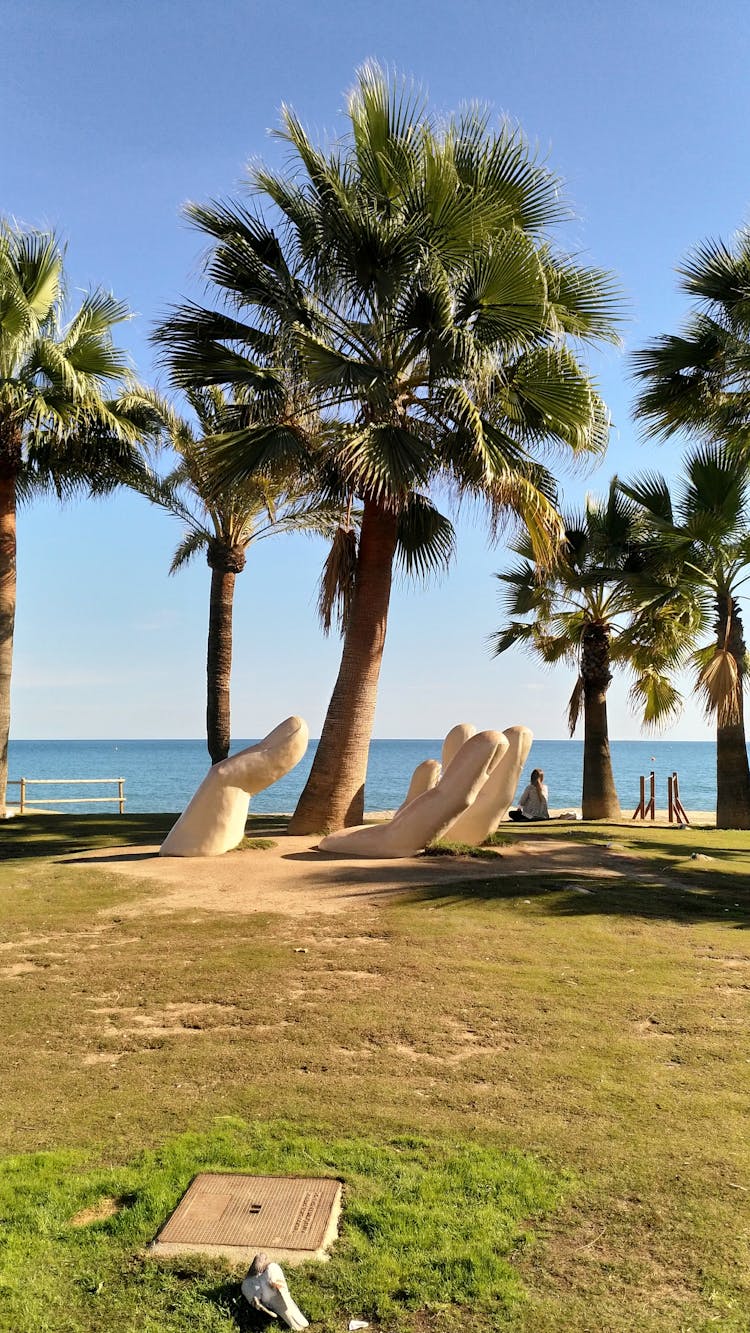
[(442, 847), (255, 844), (646, 839), (426, 1226)]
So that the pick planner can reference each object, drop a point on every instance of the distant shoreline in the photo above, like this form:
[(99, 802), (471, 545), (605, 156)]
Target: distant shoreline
[(381, 740), (696, 817), (163, 774)]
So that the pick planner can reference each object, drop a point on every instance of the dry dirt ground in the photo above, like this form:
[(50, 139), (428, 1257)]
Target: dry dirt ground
[(293, 878)]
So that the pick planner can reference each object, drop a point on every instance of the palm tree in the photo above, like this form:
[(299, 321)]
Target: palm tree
[(223, 520), (58, 429), (699, 380), (421, 301), (702, 541), (586, 610)]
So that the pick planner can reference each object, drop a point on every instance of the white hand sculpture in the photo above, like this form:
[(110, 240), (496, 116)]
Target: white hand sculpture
[(457, 736), (494, 800), (425, 776), (265, 1288), (427, 817), (214, 821)]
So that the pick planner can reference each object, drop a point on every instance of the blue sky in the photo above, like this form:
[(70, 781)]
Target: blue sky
[(114, 115)]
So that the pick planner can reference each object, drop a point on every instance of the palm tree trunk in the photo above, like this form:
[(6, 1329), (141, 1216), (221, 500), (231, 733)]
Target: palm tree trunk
[(600, 799), (335, 792), (10, 453), (225, 563), (732, 768)]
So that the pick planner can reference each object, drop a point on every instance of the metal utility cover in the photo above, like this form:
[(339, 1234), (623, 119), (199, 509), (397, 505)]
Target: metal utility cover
[(293, 1218)]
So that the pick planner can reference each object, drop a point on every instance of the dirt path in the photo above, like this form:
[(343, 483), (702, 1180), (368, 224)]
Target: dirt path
[(294, 879)]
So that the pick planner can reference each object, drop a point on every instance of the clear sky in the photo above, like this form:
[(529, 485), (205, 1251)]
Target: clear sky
[(113, 115)]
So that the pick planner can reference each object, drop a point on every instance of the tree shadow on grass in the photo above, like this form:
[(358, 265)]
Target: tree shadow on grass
[(659, 898), (659, 841), (26, 837)]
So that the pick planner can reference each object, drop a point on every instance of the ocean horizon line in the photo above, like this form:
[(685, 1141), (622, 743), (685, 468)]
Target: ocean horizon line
[(162, 772), (397, 740)]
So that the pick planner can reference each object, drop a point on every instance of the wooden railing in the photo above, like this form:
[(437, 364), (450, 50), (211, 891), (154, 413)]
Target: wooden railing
[(26, 801), (646, 809)]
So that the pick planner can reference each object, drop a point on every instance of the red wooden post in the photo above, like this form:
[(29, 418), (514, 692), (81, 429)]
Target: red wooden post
[(679, 807)]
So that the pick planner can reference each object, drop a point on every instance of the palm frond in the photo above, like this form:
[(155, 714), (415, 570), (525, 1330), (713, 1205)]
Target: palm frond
[(575, 704), (699, 379), (584, 303), (550, 394), (503, 294), (192, 542), (652, 493), (426, 541), (32, 278), (337, 581), (268, 450), (384, 461), (515, 189), (718, 683), (656, 698), (308, 514), (515, 632), (718, 274)]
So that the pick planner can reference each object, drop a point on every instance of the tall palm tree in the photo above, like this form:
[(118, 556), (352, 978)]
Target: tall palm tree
[(698, 381), (585, 610), (701, 539), (422, 302), (223, 519), (59, 428)]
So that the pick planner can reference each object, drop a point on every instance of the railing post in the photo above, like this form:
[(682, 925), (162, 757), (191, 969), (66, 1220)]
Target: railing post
[(23, 796), (670, 798), (121, 794), (680, 810)]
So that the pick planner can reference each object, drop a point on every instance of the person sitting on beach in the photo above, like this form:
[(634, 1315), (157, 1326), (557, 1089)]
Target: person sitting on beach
[(533, 802)]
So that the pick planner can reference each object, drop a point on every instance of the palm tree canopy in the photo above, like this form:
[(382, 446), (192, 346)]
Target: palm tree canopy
[(71, 413), (599, 579), (699, 380), (71, 416), (704, 526), (220, 514), (216, 513), (700, 540), (410, 284)]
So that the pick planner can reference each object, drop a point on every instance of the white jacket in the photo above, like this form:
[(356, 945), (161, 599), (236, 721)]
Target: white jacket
[(532, 805)]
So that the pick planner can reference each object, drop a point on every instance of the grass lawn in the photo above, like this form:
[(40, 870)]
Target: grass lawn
[(536, 1092)]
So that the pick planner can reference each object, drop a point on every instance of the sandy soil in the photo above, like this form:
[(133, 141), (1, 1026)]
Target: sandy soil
[(695, 816), (295, 879)]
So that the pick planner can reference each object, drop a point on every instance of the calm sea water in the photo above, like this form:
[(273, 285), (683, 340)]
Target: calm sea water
[(162, 775)]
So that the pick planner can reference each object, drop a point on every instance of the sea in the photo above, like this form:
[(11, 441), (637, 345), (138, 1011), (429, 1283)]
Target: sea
[(162, 775)]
